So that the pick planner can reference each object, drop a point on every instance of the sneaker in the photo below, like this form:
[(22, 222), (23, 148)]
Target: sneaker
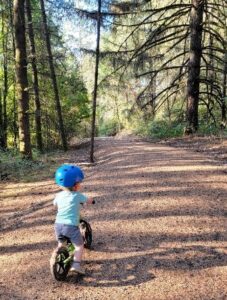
[(77, 269)]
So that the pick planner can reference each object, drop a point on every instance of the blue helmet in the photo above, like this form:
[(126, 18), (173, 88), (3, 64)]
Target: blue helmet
[(68, 175)]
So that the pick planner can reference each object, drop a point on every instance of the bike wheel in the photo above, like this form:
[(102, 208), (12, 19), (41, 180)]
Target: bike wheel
[(58, 268), (86, 232)]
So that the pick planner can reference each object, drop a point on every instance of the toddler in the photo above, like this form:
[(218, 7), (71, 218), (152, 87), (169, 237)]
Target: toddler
[(69, 178)]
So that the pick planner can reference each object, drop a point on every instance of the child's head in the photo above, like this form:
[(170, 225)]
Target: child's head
[(69, 177)]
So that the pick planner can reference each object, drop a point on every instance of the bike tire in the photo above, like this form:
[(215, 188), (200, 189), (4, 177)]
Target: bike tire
[(86, 231), (58, 269)]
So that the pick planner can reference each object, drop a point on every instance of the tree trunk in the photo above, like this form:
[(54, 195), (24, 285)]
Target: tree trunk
[(53, 77), (224, 89), (5, 80), (21, 79), (15, 116), (39, 140), (96, 81), (5, 93), (196, 26), (224, 97), (1, 122)]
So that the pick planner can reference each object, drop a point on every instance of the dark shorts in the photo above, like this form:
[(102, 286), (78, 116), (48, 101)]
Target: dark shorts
[(71, 231)]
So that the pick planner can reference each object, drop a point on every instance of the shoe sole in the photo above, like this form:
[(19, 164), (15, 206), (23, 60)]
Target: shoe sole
[(75, 271)]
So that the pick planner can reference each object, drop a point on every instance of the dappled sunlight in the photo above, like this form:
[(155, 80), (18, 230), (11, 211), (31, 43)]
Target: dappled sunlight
[(13, 188), (159, 218), (187, 168)]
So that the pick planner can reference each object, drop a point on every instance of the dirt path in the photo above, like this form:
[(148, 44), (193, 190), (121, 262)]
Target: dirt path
[(159, 228)]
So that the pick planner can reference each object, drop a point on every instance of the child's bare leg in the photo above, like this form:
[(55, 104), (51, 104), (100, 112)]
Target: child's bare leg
[(77, 259), (78, 253), (64, 244), (59, 246)]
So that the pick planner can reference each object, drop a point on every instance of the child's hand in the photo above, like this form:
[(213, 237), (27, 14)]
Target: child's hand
[(90, 201)]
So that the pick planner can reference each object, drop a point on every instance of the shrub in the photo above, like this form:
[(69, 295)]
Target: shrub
[(108, 128), (159, 129), (13, 166)]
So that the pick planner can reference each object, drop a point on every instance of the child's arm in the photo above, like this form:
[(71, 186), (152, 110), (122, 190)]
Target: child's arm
[(88, 201), (84, 200)]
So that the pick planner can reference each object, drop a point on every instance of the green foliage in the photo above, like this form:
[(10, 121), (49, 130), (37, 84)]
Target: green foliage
[(144, 70), (164, 129), (108, 128), (134, 70), (159, 129), (12, 166), (42, 167), (72, 91), (211, 129), (75, 101)]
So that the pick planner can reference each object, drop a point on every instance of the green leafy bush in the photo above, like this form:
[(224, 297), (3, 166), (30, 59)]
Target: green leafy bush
[(163, 129), (211, 129), (159, 129), (13, 166), (108, 128)]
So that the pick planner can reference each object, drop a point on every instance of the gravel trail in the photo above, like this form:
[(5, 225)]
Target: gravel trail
[(159, 228)]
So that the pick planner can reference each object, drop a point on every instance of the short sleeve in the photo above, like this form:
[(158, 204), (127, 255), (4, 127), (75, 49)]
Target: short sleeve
[(81, 198)]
